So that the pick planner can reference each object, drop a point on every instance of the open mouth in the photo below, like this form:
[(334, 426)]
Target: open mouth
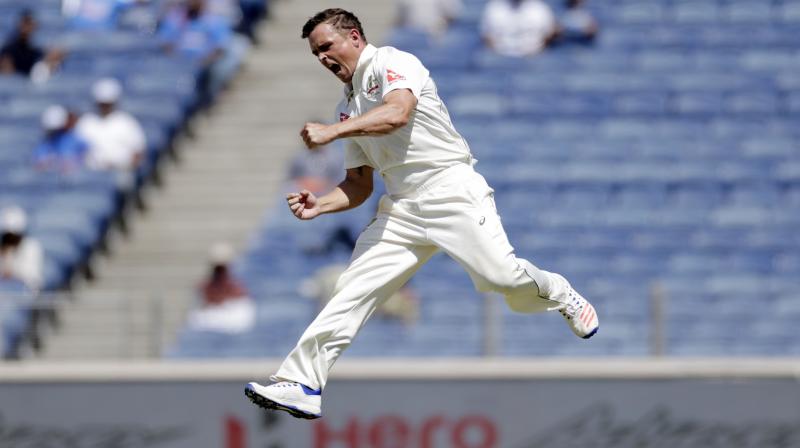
[(335, 68)]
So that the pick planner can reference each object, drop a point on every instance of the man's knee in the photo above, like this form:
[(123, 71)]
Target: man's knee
[(506, 283), (522, 304)]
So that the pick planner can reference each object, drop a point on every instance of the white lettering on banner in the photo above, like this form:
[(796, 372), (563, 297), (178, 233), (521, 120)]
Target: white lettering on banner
[(395, 431)]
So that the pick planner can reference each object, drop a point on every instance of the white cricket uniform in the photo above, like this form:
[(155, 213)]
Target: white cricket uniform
[(435, 201)]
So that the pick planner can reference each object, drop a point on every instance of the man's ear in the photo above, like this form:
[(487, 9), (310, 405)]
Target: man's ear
[(355, 37)]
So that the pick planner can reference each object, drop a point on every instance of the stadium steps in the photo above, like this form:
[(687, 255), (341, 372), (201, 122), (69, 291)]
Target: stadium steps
[(226, 176)]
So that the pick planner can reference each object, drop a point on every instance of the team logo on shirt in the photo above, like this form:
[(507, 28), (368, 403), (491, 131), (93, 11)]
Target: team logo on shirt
[(372, 86), (343, 116), (372, 89), (392, 76)]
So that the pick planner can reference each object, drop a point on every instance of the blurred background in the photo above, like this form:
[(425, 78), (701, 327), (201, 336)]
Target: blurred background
[(649, 150)]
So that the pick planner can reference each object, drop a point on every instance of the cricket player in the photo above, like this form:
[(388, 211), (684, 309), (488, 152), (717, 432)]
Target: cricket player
[(395, 122)]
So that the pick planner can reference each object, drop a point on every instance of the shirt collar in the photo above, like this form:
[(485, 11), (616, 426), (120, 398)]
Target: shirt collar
[(363, 61)]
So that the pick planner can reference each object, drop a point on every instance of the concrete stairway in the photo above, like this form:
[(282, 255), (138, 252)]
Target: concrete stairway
[(225, 180)]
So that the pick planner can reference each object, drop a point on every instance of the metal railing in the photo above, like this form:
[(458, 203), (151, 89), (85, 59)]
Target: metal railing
[(131, 324), (111, 325)]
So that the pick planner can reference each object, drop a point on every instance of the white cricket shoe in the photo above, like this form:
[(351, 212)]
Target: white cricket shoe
[(296, 399), (577, 311)]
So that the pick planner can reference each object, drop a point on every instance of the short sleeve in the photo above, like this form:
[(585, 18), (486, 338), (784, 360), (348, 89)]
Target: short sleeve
[(400, 70), (221, 34), (354, 156), (168, 32)]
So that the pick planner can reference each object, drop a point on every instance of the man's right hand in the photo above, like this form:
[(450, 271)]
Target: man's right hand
[(303, 205)]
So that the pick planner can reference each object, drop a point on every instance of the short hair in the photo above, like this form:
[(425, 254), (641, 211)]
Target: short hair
[(338, 18)]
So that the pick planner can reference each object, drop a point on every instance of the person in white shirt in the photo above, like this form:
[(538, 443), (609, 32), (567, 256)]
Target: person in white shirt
[(518, 27), (395, 123), (21, 257), (116, 139), (430, 16)]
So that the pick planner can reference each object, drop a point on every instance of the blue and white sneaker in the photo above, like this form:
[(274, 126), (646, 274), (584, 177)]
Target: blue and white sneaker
[(296, 399), (577, 311)]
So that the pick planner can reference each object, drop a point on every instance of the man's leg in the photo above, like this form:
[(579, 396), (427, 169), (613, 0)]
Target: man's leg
[(472, 234), (386, 255)]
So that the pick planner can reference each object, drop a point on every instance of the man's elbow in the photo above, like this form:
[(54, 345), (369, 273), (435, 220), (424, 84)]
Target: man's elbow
[(366, 192), (398, 122), (399, 119)]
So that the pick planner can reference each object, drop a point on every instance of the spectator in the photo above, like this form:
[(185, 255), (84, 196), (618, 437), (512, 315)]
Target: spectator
[(21, 56), (518, 27), (116, 139), (430, 16), (95, 14), (252, 12), (21, 257), (21, 263), (577, 23), (226, 305), (61, 149), (319, 170), (206, 40)]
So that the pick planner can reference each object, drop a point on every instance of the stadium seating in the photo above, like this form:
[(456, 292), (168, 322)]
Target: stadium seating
[(666, 156), (71, 213)]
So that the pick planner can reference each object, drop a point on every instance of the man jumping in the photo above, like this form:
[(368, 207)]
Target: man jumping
[(396, 123)]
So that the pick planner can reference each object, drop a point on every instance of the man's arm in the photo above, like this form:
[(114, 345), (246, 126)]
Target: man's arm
[(350, 193), (394, 113)]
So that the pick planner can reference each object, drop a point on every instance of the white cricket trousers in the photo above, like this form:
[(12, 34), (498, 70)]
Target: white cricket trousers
[(454, 212)]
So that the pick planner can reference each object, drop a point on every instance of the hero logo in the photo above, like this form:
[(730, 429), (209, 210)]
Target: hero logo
[(343, 116), (393, 76), (394, 431)]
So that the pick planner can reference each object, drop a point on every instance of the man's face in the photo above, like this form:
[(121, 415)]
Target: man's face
[(105, 109), (194, 8), (336, 51), (26, 27)]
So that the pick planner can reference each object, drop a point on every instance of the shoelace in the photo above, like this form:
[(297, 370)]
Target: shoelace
[(571, 308)]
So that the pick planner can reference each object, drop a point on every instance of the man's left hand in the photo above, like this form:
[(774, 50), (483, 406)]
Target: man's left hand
[(316, 134)]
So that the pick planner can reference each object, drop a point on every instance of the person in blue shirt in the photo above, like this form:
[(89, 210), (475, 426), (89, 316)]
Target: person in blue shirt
[(95, 14), (61, 149), (192, 33), (207, 40)]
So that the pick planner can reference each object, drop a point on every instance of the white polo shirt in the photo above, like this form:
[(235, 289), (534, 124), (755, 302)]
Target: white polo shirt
[(114, 140), (518, 31), (410, 155)]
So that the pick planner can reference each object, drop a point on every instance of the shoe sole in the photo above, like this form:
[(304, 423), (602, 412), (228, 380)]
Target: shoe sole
[(266, 403), (592, 333)]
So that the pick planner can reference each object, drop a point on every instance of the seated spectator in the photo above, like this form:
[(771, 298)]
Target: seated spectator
[(61, 149), (21, 56), (226, 306), (21, 262), (518, 27), (21, 257), (116, 139), (577, 24), (253, 11), (206, 40), (319, 170), (430, 16), (96, 14)]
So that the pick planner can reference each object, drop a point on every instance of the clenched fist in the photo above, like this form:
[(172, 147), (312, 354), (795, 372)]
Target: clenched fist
[(303, 205), (316, 134)]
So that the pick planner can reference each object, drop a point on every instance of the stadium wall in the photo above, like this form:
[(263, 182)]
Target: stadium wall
[(409, 403)]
